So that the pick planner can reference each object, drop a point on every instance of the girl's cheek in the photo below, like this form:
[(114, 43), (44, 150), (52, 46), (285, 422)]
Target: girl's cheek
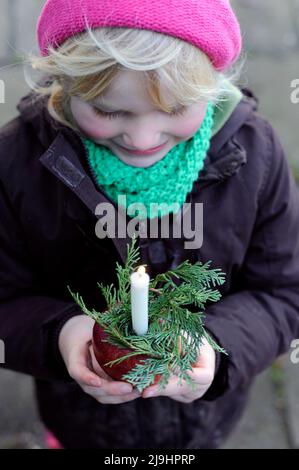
[(188, 128), (95, 128)]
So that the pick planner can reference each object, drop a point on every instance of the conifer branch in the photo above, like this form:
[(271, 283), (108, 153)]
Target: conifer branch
[(175, 333)]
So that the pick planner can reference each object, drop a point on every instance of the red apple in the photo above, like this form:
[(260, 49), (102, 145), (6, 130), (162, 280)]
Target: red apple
[(106, 352)]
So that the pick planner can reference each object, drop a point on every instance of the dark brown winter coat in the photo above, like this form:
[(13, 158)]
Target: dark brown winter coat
[(48, 241)]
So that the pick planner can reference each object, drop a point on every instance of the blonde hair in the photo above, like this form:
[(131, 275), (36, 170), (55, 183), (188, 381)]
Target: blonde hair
[(86, 64)]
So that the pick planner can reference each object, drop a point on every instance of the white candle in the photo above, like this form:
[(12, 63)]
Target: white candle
[(139, 300)]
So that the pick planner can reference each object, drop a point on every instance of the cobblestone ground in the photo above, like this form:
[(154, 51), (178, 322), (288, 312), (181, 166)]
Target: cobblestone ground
[(271, 39)]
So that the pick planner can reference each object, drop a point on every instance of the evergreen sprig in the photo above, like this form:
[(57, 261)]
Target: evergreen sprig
[(175, 333)]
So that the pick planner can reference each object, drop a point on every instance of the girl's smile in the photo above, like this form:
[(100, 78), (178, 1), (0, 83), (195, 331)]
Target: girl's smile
[(146, 152)]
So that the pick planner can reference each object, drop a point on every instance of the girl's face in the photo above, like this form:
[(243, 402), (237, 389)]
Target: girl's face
[(124, 120)]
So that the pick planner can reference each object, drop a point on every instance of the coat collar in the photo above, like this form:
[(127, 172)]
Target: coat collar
[(63, 162)]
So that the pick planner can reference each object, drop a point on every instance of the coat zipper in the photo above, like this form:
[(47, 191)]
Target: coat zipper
[(92, 172)]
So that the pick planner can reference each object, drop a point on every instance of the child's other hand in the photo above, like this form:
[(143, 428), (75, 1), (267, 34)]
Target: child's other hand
[(203, 373), (76, 350)]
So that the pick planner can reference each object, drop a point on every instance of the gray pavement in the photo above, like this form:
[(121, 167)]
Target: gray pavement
[(20, 426), (17, 27), (263, 425), (271, 41)]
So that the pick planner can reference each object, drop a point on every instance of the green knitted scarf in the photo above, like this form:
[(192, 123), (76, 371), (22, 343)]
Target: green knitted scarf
[(165, 183)]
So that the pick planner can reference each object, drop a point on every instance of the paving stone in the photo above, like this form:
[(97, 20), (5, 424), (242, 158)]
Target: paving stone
[(291, 386), (15, 87), (267, 26), (5, 31), (272, 63), (262, 425), (27, 13), (20, 423), (21, 441), (272, 85)]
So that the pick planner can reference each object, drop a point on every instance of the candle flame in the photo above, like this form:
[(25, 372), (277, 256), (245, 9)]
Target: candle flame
[(141, 270)]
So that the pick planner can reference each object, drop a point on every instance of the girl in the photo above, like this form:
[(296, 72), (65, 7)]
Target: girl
[(137, 99)]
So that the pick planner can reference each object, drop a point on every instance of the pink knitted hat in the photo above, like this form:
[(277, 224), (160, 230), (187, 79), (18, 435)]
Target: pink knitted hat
[(210, 25)]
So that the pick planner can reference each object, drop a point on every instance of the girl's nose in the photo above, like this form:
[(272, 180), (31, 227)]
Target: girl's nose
[(142, 142), (143, 135)]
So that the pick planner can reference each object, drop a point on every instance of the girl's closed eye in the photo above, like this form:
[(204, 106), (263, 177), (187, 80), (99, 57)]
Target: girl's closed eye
[(113, 115), (178, 112)]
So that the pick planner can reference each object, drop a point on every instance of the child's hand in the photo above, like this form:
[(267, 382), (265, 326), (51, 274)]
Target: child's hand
[(203, 374), (77, 352)]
